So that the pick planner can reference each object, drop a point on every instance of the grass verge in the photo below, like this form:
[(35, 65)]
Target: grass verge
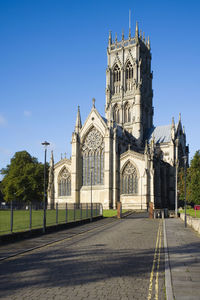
[(191, 212)]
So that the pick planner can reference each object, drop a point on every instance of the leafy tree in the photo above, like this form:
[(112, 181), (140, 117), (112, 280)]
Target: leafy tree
[(23, 179), (192, 181)]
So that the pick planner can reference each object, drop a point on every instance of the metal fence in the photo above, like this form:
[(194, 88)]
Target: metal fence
[(28, 217)]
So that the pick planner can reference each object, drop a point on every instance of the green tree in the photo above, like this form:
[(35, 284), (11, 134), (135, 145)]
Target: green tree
[(194, 179), (23, 179)]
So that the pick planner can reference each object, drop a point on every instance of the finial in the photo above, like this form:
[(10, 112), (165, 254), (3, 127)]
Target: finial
[(52, 159), (65, 154), (129, 147), (110, 39), (141, 33), (115, 38), (148, 43), (78, 121), (123, 35), (136, 30), (183, 129), (61, 156), (179, 117), (143, 37), (93, 102)]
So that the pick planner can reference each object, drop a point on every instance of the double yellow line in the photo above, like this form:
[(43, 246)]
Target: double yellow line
[(156, 264)]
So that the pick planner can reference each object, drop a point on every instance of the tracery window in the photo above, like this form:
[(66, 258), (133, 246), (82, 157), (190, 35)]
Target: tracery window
[(129, 180), (116, 79), (93, 158), (127, 113), (129, 76), (64, 183), (116, 114)]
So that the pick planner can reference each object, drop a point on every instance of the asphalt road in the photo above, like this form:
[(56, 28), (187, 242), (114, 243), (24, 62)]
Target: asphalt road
[(108, 259)]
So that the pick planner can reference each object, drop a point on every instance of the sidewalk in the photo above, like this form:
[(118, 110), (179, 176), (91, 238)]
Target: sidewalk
[(184, 257)]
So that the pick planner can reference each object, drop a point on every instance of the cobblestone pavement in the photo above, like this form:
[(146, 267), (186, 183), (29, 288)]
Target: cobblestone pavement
[(121, 260), (184, 255)]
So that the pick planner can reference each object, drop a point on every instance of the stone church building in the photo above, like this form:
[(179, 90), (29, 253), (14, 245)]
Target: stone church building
[(122, 155)]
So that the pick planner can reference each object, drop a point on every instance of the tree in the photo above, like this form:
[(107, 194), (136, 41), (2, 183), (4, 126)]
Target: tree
[(194, 182), (23, 179)]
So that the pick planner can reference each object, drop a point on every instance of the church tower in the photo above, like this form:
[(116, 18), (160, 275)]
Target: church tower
[(129, 84)]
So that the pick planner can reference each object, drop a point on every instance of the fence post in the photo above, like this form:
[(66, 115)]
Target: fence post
[(11, 216), (66, 214), (81, 211), (86, 210), (30, 210), (57, 213), (74, 211)]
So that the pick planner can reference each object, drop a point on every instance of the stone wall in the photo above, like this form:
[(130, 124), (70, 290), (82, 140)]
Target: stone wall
[(193, 222)]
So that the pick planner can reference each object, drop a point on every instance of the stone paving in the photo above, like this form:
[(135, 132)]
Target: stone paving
[(184, 255), (110, 262)]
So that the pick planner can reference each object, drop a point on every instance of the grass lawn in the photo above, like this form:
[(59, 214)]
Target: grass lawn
[(111, 212), (21, 218), (191, 212)]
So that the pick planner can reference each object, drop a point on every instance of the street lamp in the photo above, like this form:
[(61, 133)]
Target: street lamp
[(185, 169), (91, 174), (45, 144), (176, 189)]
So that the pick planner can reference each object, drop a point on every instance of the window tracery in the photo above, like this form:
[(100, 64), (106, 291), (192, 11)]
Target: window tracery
[(116, 79), (129, 76), (64, 183), (129, 182), (127, 113), (93, 158)]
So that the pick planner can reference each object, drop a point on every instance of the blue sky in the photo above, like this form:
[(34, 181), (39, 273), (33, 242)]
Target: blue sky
[(53, 58)]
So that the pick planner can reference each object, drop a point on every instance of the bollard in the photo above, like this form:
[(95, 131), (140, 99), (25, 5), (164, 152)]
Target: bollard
[(119, 210), (96, 209), (86, 210), (81, 211)]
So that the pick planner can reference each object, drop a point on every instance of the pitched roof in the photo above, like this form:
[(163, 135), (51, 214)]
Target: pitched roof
[(162, 134)]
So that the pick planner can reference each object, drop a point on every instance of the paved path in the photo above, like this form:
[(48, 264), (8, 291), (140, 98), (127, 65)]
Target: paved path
[(184, 255), (122, 259)]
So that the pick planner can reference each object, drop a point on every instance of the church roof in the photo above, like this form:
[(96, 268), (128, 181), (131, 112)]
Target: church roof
[(162, 134)]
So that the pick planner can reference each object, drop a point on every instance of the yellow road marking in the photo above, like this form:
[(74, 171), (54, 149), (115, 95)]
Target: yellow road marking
[(156, 259)]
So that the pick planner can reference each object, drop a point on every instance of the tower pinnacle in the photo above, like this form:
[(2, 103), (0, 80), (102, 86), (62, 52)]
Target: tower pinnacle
[(78, 121)]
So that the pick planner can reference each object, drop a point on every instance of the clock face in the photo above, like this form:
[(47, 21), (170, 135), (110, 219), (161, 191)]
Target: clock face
[(94, 139)]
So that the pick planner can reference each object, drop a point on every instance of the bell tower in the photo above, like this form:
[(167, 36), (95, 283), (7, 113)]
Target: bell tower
[(129, 83)]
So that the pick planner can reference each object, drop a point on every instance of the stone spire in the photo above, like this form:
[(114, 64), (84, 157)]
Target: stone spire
[(179, 117), (51, 189), (110, 39), (148, 43), (78, 121), (115, 38), (173, 129), (123, 35), (146, 148), (136, 31)]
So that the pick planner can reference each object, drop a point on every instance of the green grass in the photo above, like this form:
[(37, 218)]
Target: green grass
[(21, 218), (111, 212), (191, 212)]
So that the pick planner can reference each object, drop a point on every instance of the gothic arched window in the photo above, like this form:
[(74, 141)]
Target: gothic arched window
[(129, 76), (116, 79), (64, 183), (127, 113), (93, 158), (116, 114), (129, 180)]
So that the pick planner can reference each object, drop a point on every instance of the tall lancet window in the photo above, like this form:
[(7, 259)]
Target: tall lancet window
[(127, 113), (129, 180), (116, 79), (129, 76), (64, 183), (116, 114), (93, 158)]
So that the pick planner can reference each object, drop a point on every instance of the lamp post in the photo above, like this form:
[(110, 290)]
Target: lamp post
[(176, 189), (185, 165), (91, 174), (45, 144)]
